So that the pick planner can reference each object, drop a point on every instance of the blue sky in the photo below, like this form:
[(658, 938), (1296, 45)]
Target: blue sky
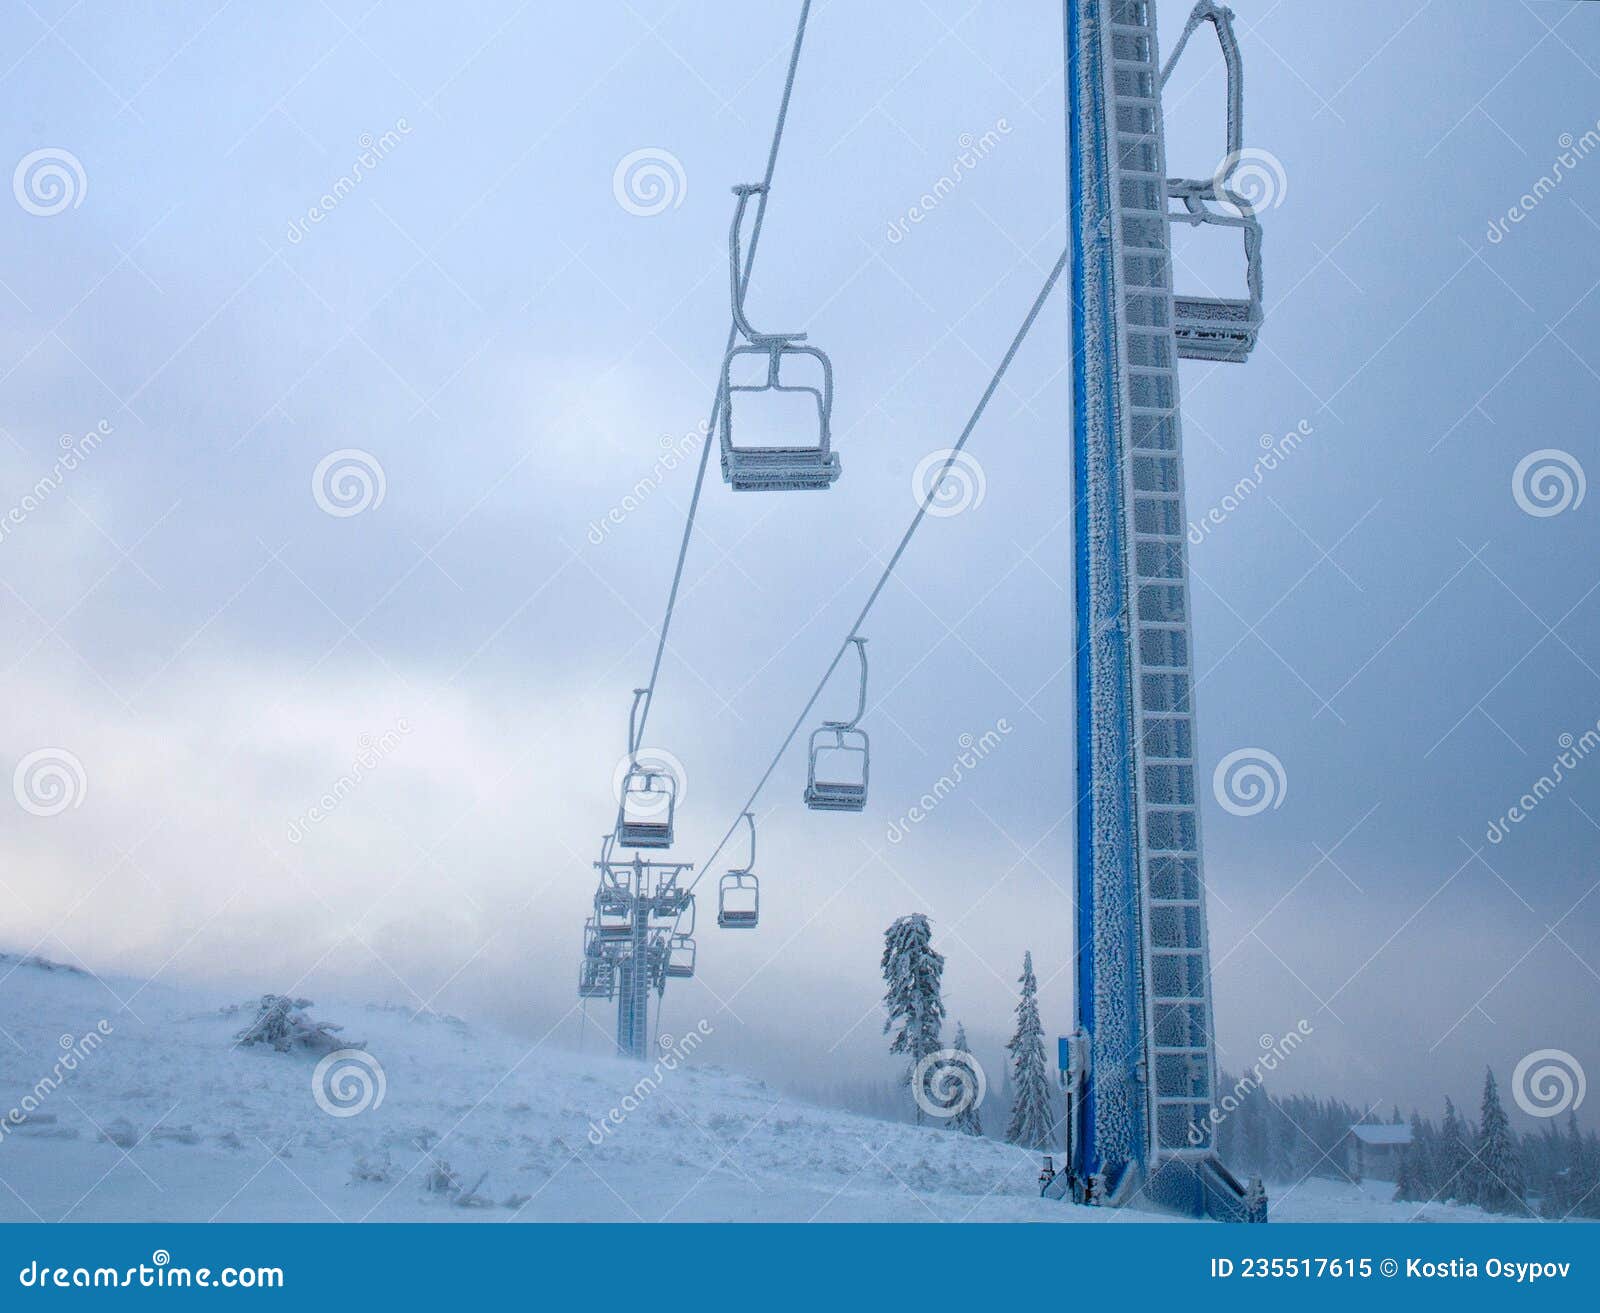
[(516, 351)]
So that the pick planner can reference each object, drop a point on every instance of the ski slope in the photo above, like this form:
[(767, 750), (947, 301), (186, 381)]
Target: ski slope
[(166, 1118)]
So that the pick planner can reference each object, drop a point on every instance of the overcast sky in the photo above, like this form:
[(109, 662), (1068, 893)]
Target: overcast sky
[(521, 341)]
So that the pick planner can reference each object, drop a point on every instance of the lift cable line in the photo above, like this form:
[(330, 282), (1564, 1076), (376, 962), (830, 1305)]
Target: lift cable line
[(720, 400), (916, 521)]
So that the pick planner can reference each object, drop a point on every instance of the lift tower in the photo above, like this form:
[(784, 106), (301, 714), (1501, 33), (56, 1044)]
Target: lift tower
[(1141, 1066)]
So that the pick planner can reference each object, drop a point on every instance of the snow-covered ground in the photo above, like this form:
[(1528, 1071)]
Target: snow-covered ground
[(166, 1118)]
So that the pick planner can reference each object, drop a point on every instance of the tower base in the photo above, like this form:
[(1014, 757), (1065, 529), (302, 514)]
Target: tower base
[(1200, 1188)]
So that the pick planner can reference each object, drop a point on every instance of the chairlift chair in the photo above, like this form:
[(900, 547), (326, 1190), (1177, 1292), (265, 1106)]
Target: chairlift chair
[(1218, 327), (680, 957), (596, 978), (649, 795), (832, 790), (613, 916), (739, 892), (769, 468)]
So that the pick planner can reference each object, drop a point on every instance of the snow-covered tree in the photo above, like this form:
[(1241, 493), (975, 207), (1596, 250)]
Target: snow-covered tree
[(967, 1119), (1451, 1181), (1032, 1112), (1415, 1182), (1497, 1168), (912, 972)]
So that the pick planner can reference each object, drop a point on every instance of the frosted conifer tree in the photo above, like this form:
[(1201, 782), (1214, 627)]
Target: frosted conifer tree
[(912, 972), (1031, 1113), (967, 1120), (1498, 1169), (1451, 1181)]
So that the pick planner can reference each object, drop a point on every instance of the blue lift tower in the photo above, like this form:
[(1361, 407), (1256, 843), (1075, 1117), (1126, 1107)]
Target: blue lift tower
[(1140, 1069)]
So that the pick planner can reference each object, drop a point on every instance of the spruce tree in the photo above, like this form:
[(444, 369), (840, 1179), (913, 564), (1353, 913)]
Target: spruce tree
[(1453, 1158), (967, 1119), (1498, 1176), (1031, 1114), (912, 972)]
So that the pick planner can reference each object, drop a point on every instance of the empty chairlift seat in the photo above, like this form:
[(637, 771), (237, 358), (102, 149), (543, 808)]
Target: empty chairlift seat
[(648, 797), (840, 756), (739, 892), (680, 957), (783, 467)]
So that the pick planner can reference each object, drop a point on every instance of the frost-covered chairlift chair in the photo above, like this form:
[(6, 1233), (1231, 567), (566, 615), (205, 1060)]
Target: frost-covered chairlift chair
[(739, 892), (596, 972), (824, 790), (769, 468), (1216, 327), (680, 957), (649, 796)]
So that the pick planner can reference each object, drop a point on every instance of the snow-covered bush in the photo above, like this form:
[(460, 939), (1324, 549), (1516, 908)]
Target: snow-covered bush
[(282, 1022)]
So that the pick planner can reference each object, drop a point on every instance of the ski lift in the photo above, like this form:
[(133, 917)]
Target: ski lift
[(596, 978), (739, 893), (613, 916), (770, 468), (833, 789), (680, 957), (649, 795), (1218, 327)]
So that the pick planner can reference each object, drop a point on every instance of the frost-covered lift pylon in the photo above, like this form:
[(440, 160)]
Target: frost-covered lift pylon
[(1141, 1067)]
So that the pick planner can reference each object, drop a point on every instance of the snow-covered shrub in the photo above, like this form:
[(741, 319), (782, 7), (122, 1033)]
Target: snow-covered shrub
[(377, 1168), (282, 1022)]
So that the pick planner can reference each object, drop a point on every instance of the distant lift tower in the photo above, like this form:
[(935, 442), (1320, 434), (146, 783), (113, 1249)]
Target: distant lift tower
[(1141, 1068)]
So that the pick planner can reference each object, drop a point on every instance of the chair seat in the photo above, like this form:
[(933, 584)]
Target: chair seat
[(780, 469), (823, 796), (736, 920), (1214, 328), (645, 834)]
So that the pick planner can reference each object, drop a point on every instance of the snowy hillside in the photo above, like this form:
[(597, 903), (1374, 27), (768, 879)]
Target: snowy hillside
[(151, 1111)]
